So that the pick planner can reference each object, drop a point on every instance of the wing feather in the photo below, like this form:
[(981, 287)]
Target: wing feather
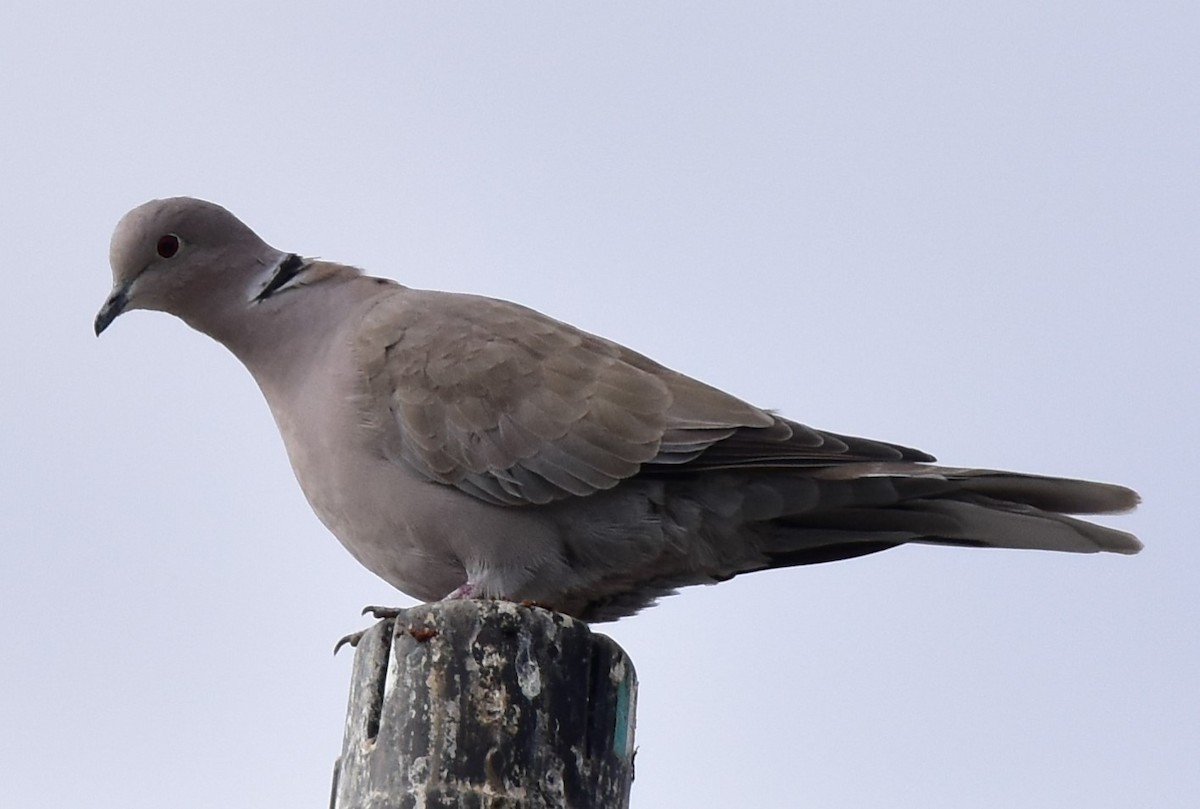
[(516, 408)]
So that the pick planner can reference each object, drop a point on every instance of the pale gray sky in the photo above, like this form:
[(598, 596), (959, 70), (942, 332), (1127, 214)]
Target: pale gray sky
[(969, 228)]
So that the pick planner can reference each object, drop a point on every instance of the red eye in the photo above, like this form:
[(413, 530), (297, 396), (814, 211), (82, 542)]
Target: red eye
[(167, 246)]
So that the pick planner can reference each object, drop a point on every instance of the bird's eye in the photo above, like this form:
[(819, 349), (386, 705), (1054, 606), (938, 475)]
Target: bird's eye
[(167, 246)]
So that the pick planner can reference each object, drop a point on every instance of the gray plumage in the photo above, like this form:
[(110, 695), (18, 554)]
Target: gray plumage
[(460, 445)]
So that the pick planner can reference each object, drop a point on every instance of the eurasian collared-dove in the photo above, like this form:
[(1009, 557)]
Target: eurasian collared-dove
[(464, 446)]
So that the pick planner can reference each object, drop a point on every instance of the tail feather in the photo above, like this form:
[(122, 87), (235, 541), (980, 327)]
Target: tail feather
[(946, 506), (1064, 495), (1000, 524)]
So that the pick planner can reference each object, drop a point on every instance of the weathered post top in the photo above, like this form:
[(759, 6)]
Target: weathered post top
[(487, 704)]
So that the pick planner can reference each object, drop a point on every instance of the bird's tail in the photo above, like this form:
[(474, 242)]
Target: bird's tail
[(862, 508)]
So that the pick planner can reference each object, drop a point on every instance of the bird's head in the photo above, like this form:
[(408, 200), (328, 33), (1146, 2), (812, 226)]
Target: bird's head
[(192, 259)]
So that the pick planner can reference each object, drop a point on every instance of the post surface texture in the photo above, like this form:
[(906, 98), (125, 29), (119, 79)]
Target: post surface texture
[(487, 704)]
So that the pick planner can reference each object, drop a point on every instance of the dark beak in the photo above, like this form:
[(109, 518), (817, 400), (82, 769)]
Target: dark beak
[(112, 307)]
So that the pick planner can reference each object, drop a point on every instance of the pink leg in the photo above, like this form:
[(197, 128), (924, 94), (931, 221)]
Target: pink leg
[(465, 591)]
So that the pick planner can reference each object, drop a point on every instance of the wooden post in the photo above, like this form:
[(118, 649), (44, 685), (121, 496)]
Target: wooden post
[(487, 705)]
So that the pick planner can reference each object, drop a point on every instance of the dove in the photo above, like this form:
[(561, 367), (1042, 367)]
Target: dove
[(467, 447)]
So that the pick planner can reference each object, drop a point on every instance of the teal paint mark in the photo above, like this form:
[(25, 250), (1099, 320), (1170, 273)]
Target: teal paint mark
[(624, 720)]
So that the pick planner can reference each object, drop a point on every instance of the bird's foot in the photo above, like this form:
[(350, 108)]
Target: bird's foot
[(350, 640), (470, 590), (378, 613)]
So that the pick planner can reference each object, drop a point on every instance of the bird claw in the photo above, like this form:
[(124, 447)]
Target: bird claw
[(350, 640), (376, 612), (380, 613)]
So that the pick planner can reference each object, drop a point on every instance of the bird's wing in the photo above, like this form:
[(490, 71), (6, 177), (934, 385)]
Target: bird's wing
[(516, 408)]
